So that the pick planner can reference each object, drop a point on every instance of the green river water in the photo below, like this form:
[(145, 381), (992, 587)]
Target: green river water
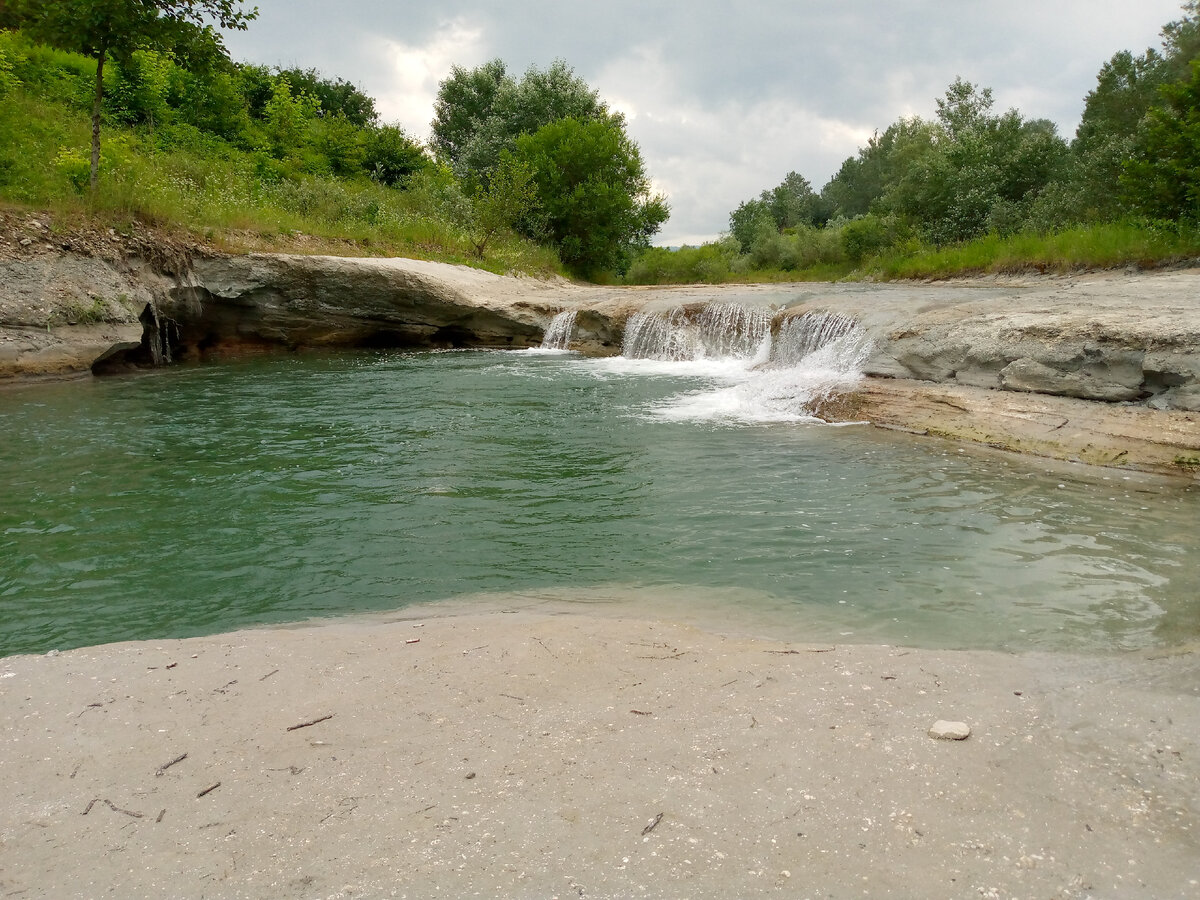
[(204, 499)]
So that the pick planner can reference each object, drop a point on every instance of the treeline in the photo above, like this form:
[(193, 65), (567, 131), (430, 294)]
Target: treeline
[(293, 121), (527, 174), (972, 176)]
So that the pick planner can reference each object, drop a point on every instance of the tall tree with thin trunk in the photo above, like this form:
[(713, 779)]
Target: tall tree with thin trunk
[(104, 29)]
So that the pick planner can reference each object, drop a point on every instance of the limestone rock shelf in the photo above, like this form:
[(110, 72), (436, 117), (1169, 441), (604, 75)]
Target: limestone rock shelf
[(1115, 348)]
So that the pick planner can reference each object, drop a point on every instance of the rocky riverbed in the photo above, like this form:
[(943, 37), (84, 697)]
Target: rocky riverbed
[(1099, 367)]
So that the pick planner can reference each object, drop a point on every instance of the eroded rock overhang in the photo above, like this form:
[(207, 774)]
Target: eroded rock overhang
[(1105, 337)]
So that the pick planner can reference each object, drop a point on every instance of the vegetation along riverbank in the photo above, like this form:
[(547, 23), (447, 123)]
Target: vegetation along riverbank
[(538, 174)]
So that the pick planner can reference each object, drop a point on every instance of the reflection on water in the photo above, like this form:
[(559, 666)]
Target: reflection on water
[(204, 499)]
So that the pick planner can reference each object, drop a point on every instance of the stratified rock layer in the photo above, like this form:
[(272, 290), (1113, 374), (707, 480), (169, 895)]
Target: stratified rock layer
[(310, 301), (1100, 337)]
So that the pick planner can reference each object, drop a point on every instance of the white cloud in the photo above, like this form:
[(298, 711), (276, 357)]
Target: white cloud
[(708, 158), (413, 72)]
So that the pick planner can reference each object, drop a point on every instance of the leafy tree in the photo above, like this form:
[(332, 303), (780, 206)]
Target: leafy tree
[(593, 192), (793, 202), (982, 172), (510, 197), (1164, 174), (465, 101), (964, 108), (256, 84), (335, 96), (1112, 131), (542, 97), (392, 157), (116, 28), (747, 220), (480, 113), (1126, 87), (863, 179), (288, 116), (1181, 42), (790, 204)]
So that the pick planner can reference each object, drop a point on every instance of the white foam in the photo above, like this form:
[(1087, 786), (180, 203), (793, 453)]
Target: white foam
[(728, 369), (759, 377), (542, 351)]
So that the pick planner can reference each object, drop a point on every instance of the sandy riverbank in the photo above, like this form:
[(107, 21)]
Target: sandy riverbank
[(526, 755)]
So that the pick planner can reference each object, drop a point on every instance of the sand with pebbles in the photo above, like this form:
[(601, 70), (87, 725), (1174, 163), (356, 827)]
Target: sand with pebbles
[(532, 755)]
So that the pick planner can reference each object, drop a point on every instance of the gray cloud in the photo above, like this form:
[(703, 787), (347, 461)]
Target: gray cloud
[(724, 98)]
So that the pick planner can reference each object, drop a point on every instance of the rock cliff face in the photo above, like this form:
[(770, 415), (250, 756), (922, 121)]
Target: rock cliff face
[(1113, 357), (60, 318), (1102, 337), (63, 314), (297, 302)]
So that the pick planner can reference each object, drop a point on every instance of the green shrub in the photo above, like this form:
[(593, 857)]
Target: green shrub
[(8, 80), (214, 104), (76, 167), (868, 235), (138, 90), (340, 142), (55, 75), (390, 156), (708, 263), (268, 169)]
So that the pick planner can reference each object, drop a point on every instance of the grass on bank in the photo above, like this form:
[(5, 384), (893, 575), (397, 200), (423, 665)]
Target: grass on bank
[(1145, 244), (181, 180), (1105, 246)]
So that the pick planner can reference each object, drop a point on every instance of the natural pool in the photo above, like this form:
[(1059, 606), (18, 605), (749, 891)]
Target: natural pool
[(204, 499)]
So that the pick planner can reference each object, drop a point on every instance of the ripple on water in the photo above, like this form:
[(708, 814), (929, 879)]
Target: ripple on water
[(209, 498)]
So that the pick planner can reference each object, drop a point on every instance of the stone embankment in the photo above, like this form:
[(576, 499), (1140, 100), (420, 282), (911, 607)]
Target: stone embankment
[(1103, 368)]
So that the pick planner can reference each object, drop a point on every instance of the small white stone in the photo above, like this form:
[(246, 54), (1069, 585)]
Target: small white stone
[(950, 731)]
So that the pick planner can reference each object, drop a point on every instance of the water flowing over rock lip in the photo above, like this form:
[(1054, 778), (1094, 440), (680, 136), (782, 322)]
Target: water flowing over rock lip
[(1114, 342)]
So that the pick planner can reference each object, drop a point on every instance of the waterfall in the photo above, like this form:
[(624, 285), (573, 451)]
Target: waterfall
[(801, 336), (662, 336), (729, 330), (770, 367), (717, 331), (558, 332)]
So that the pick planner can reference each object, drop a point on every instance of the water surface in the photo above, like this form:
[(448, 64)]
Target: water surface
[(203, 499)]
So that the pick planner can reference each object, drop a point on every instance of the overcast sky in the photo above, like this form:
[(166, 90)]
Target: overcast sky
[(724, 98)]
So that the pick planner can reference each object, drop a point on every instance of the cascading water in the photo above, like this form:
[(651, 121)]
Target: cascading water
[(729, 330), (772, 368), (558, 332), (717, 331), (667, 336), (801, 336)]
